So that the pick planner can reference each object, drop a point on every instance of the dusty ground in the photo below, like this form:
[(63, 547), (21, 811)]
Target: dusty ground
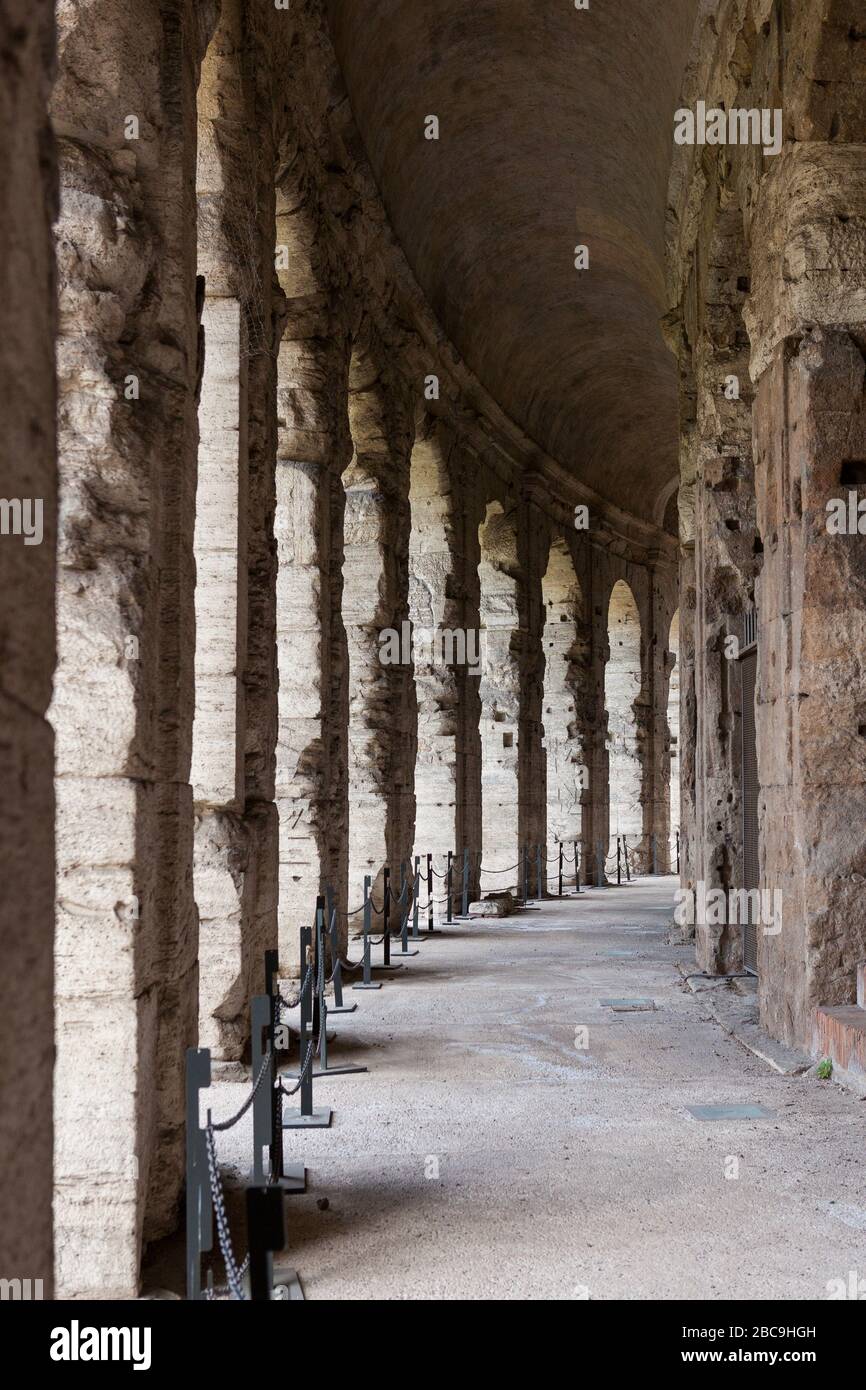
[(562, 1171)]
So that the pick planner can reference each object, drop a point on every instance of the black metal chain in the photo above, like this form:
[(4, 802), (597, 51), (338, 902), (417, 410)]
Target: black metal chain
[(230, 1124)]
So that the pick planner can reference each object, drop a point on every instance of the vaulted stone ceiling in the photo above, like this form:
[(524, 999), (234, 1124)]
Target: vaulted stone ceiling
[(556, 128)]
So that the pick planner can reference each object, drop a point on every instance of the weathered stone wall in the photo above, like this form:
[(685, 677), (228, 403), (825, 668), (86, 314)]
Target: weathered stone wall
[(271, 453), (27, 641), (771, 245)]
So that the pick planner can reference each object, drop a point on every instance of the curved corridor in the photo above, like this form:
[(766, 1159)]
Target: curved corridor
[(565, 1173)]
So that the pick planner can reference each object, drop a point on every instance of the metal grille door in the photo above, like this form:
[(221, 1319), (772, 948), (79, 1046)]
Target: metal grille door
[(749, 785)]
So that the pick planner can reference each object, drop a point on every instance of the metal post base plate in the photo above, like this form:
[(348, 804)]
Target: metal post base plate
[(338, 1071), (374, 984), (342, 1008), (289, 1285), (293, 1179), (320, 1119)]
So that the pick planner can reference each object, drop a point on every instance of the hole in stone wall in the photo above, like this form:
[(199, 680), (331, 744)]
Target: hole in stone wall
[(744, 284), (853, 472), (507, 740)]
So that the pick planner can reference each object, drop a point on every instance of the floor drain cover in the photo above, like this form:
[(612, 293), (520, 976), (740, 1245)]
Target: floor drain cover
[(730, 1112), (628, 1006)]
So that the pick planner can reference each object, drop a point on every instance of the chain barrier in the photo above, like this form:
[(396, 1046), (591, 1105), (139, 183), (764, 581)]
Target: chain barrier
[(234, 1272), (463, 867), (230, 1124)]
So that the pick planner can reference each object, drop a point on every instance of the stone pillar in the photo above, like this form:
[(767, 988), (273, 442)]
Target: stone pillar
[(27, 607), (657, 811), (565, 673), (533, 543), (235, 844), (596, 806), (313, 450), (500, 694), (627, 708), (378, 631), (446, 640), (123, 706)]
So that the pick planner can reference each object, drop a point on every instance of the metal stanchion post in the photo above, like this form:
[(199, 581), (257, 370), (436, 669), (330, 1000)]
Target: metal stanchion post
[(339, 1006), (599, 861), (625, 853), (430, 894), (448, 886), (540, 856), (386, 917), (292, 1177), (307, 1117), (199, 1208), (678, 851), (560, 868), (618, 862), (404, 913), (525, 874), (465, 884), (266, 1233), (367, 982), (576, 870), (416, 893)]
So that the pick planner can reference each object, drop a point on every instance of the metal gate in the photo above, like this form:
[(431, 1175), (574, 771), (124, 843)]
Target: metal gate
[(749, 791)]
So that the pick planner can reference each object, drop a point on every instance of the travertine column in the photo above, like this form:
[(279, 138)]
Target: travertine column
[(123, 706), (27, 606), (565, 668), (596, 807), (623, 683), (533, 542), (235, 840), (673, 668), (500, 693), (660, 662), (378, 632), (443, 609), (314, 448)]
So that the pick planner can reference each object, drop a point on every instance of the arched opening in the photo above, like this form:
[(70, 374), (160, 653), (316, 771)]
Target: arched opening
[(564, 654), (674, 735), (622, 687), (498, 575)]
